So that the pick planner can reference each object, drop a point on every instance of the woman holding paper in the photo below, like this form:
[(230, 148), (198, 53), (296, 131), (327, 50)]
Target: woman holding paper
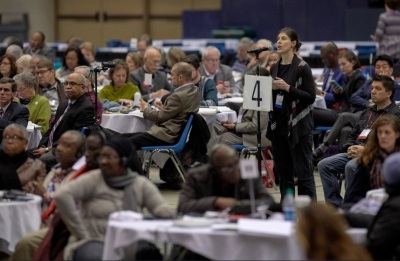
[(290, 123), (120, 90)]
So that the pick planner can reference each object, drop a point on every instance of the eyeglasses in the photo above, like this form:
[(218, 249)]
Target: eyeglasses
[(13, 137), (73, 84), (5, 89), (228, 168), (41, 72), (212, 60), (5, 63)]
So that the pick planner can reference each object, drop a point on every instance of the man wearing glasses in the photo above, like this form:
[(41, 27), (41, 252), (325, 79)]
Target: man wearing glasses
[(159, 84), (220, 73), (74, 114), (10, 111), (49, 86)]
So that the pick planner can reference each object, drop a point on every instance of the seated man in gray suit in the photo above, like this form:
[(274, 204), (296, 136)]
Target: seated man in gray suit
[(38, 46), (10, 111), (220, 73), (159, 86)]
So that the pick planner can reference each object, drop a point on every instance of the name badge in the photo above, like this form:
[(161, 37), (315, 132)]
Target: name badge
[(279, 101), (364, 134)]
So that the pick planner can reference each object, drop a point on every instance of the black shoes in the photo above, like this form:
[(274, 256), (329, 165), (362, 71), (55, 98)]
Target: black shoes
[(318, 154)]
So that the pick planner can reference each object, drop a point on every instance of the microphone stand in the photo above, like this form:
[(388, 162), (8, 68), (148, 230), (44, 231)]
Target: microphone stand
[(96, 71), (258, 115)]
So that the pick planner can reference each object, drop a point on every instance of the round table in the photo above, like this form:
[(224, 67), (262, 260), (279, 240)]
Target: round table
[(18, 218)]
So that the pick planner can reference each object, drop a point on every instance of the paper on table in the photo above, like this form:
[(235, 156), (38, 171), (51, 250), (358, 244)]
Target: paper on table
[(208, 111), (137, 113), (265, 227)]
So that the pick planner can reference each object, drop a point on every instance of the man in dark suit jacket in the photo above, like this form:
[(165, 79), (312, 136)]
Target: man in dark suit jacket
[(213, 69), (160, 85), (10, 111), (74, 114)]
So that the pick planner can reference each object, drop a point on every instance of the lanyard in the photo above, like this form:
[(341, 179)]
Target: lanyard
[(369, 118)]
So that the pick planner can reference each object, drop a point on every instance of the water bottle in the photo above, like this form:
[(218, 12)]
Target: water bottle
[(136, 99), (288, 205)]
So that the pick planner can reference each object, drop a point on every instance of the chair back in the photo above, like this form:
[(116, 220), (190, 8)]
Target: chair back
[(185, 134)]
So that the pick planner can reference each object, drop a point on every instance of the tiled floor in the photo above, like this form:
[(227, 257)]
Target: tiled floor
[(172, 196)]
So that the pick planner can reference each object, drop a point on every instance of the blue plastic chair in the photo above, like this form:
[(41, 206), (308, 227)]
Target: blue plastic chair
[(246, 151), (171, 150)]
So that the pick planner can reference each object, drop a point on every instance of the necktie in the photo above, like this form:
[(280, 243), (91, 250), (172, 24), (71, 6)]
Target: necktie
[(51, 136), (1, 113)]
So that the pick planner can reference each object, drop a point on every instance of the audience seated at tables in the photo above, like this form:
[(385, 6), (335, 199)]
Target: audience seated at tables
[(359, 101), (134, 61), (322, 233), (160, 85), (23, 64), (68, 154), (354, 79), (330, 168), (221, 74), (17, 170), (384, 140), (10, 111), (72, 57), (218, 186), (206, 86), (329, 55), (37, 46), (74, 114), (7, 66), (119, 90), (38, 106), (101, 192), (49, 86), (89, 92), (383, 238), (15, 51)]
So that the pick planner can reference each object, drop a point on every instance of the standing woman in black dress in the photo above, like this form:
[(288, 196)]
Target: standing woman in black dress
[(291, 122)]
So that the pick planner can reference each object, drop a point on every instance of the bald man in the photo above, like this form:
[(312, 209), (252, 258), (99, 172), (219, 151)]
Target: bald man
[(74, 114), (160, 85), (217, 186)]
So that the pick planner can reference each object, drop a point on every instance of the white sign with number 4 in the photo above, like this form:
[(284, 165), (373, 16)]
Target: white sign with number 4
[(257, 93)]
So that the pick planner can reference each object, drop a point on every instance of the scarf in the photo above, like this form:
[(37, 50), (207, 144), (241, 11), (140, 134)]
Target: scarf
[(125, 182), (375, 175), (9, 178)]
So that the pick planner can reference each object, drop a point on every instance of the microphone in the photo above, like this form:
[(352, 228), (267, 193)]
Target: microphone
[(108, 64), (262, 49)]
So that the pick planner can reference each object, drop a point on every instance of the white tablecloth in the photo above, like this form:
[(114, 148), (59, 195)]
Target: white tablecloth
[(213, 244), (34, 135), (18, 218), (319, 102), (125, 123)]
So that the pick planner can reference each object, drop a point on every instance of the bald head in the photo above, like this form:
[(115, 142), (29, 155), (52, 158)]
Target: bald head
[(225, 160), (152, 59), (329, 54)]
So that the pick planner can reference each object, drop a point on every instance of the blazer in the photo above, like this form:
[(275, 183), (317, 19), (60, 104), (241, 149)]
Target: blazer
[(15, 113), (171, 118), (81, 114), (159, 81), (224, 73)]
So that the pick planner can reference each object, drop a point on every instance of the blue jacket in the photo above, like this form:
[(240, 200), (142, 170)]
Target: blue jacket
[(327, 87), (360, 99)]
